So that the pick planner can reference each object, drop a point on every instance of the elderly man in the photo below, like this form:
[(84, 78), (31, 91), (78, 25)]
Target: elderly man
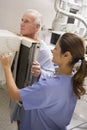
[(29, 27)]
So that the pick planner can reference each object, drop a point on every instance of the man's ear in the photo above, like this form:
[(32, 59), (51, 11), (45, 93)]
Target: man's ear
[(38, 26)]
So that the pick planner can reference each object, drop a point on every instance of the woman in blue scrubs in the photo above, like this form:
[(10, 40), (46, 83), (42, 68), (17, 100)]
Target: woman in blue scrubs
[(52, 100)]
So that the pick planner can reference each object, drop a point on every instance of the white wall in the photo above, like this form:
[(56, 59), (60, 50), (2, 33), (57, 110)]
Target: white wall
[(12, 10)]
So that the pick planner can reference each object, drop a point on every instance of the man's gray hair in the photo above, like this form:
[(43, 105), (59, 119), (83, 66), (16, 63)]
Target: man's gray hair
[(36, 14)]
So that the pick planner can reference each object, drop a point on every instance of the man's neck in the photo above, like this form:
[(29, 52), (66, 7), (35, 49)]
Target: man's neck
[(34, 37)]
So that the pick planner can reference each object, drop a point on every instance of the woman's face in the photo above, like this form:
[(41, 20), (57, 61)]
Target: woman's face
[(57, 56)]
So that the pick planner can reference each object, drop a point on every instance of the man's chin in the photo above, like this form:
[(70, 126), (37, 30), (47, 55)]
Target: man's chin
[(22, 32)]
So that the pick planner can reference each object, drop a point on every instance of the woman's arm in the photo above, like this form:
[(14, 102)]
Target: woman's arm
[(11, 86)]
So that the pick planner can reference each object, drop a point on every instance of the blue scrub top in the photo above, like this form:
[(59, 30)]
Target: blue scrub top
[(50, 103)]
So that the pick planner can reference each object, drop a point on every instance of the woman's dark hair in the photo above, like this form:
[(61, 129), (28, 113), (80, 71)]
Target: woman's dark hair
[(75, 45)]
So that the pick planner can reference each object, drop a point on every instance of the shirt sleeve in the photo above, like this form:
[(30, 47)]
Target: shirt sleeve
[(45, 60), (34, 96)]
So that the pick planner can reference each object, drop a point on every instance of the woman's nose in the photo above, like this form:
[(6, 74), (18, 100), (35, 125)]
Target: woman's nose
[(52, 51)]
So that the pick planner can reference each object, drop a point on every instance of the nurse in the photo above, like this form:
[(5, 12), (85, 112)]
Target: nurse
[(52, 100)]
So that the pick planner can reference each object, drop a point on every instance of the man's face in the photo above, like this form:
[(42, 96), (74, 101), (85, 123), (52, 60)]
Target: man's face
[(27, 26)]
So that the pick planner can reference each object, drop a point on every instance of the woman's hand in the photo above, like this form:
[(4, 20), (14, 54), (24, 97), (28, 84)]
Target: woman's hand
[(5, 59)]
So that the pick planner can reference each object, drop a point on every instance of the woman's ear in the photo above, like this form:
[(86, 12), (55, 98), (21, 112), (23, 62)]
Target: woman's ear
[(68, 55)]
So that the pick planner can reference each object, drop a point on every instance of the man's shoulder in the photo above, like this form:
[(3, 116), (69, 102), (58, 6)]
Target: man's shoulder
[(44, 45)]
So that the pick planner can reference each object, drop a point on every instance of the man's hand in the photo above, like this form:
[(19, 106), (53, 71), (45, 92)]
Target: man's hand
[(36, 69)]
